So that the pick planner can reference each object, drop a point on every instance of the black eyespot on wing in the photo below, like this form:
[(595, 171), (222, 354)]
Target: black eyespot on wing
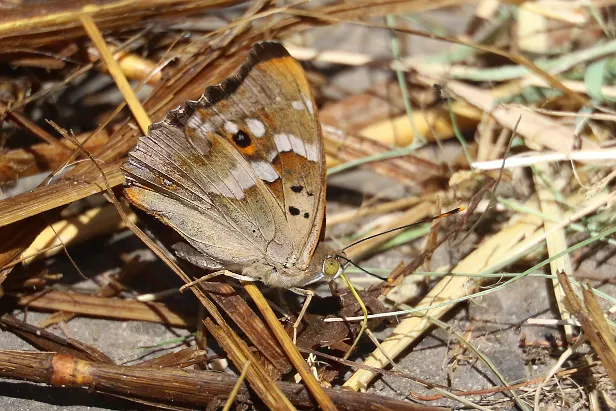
[(241, 138), (293, 210), (309, 193), (306, 215), (297, 189)]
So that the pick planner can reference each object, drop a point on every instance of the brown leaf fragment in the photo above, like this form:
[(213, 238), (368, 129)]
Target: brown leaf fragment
[(319, 333), (370, 299)]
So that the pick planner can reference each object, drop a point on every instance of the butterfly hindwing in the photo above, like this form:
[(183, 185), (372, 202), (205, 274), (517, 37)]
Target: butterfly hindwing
[(220, 213)]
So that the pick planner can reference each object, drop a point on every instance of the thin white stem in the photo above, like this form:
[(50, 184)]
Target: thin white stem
[(530, 159)]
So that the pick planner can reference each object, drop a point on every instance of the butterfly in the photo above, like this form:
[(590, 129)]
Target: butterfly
[(240, 174)]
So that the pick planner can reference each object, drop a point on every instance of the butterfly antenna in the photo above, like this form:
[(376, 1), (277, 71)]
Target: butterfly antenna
[(425, 220), (348, 261)]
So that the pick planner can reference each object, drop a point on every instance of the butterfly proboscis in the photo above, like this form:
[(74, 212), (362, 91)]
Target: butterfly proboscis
[(364, 310)]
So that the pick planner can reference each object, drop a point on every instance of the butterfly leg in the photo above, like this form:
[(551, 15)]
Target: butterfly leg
[(204, 278), (216, 274), (308, 294)]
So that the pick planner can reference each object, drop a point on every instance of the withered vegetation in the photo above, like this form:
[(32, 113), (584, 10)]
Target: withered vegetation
[(509, 113)]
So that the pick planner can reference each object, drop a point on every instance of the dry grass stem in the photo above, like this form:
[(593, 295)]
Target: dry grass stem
[(593, 323), (590, 156), (61, 193), (104, 307), (241, 355), (285, 341), (490, 251), (383, 208), (546, 183), (116, 72), (397, 132), (75, 230)]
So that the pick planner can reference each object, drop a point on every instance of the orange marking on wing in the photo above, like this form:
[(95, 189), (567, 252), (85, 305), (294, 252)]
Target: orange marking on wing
[(132, 195), (190, 132), (203, 112), (138, 197), (276, 188), (288, 64), (287, 158), (247, 151)]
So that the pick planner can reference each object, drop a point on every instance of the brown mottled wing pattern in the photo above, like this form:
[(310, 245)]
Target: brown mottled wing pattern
[(247, 161)]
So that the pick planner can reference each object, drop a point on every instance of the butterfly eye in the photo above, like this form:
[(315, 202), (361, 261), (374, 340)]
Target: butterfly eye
[(331, 266)]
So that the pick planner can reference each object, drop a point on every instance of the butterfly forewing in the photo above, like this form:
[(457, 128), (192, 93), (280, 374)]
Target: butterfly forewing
[(246, 159), (267, 113)]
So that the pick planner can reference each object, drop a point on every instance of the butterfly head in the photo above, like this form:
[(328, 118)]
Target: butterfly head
[(326, 264), (332, 267)]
